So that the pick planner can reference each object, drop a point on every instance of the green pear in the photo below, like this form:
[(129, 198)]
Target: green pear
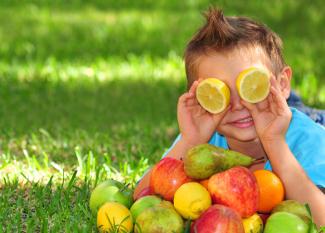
[(204, 160), (234, 158), (144, 203), (159, 218), (201, 162), (294, 207)]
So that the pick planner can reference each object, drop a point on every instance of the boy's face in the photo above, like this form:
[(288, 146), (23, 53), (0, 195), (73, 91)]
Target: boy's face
[(237, 123)]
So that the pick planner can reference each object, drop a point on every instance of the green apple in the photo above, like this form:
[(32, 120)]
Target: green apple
[(144, 203), (284, 222), (108, 191), (293, 207)]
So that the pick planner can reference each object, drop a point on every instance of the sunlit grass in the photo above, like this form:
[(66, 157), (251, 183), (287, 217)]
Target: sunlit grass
[(132, 67)]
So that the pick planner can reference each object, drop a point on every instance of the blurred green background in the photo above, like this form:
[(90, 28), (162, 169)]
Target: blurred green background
[(99, 73), (97, 82)]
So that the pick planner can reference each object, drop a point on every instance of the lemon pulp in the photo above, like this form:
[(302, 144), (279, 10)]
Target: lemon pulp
[(213, 95), (253, 85)]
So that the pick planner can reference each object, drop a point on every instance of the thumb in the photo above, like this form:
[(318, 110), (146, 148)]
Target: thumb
[(217, 117)]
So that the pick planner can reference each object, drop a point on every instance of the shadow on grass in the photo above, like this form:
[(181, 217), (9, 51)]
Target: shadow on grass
[(88, 105), (85, 30)]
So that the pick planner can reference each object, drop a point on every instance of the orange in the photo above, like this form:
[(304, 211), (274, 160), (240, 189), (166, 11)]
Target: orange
[(205, 183), (271, 190)]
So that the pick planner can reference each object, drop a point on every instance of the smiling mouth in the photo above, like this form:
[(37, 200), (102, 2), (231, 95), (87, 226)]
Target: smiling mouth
[(243, 123)]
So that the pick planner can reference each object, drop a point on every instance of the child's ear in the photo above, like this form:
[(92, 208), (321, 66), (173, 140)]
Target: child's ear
[(284, 79)]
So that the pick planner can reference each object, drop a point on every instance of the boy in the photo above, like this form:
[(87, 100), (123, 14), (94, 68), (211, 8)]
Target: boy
[(286, 138)]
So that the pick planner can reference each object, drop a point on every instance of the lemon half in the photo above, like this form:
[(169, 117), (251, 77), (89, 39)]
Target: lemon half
[(213, 95), (253, 84)]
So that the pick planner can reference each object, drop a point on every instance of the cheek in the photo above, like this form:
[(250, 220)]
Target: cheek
[(225, 119), (222, 127)]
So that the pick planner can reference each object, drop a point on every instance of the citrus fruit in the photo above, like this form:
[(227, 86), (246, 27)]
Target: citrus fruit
[(213, 95), (205, 183), (253, 224), (191, 199), (271, 190), (113, 216), (253, 84)]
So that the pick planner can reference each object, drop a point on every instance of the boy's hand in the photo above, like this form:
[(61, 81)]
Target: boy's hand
[(195, 123), (271, 116)]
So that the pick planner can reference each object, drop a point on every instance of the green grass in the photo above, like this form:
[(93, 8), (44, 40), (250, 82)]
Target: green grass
[(88, 91)]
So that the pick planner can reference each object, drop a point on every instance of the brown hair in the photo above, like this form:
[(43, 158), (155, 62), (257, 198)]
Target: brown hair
[(222, 34)]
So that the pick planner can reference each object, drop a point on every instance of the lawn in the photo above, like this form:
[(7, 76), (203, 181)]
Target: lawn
[(88, 91)]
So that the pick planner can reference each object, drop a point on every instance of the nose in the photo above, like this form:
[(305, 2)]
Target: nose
[(235, 100)]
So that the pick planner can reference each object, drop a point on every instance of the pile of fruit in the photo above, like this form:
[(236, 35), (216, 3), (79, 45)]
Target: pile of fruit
[(210, 191)]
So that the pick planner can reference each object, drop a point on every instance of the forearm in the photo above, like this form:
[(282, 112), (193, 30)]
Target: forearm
[(178, 152), (297, 184), (180, 149)]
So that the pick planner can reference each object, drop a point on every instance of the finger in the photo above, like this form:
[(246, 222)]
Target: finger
[(195, 111), (277, 96), (201, 111), (217, 117), (274, 83), (279, 100), (263, 105), (192, 102), (183, 99), (194, 86), (272, 103), (252, 108)]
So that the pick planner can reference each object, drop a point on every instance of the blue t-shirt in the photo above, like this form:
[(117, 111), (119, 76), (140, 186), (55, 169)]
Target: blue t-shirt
[(306, 140)]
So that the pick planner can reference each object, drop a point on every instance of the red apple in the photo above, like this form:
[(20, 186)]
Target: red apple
[(144, 192), (218, 219), (237, 188), (167, 176)]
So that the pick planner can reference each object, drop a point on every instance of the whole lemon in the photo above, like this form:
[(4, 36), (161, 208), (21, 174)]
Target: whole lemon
[(113, 216), (191, 199), (253, 224)]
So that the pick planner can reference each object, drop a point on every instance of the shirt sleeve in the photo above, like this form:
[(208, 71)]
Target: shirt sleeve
[(306, 140), (164, 155), (174, 143)]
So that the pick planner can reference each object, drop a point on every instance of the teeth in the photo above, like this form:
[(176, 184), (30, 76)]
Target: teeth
[(246, 120)]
